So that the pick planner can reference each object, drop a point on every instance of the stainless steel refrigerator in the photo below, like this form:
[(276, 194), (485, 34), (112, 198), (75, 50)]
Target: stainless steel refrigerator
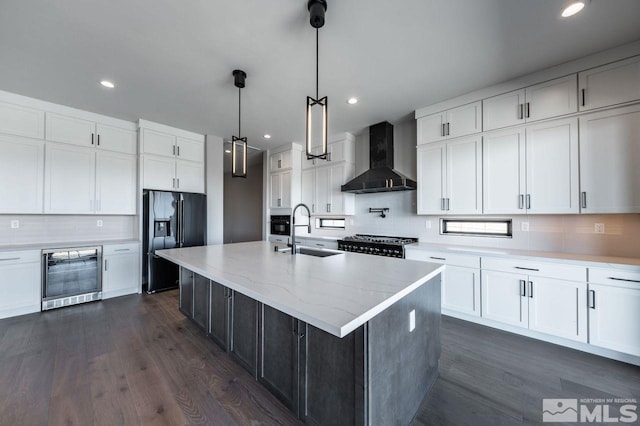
[(171, 220)]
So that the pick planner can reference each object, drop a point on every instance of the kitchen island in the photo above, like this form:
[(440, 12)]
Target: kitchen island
[(342, 339)]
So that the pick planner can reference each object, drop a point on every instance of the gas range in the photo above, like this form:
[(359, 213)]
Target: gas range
[(375, 244)]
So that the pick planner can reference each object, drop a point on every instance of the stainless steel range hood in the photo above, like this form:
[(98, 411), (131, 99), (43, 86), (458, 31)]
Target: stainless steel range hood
[(381, 176)]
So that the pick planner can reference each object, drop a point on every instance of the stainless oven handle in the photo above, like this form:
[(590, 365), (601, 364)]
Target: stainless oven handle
[(45, 263)]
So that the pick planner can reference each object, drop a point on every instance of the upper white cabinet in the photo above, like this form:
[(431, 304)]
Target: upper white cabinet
[(21, 121), (450, 177), (545, 100), (172, 159), (461, 121), (321, 189), (116, 177), (280, 190), (609, 158), (22, 174), (610, 84), (280, 161), (285, 179), (532, 169), (77, 131), (337, 151)]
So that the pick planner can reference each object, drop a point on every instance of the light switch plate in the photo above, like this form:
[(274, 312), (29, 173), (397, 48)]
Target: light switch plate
[(427, 224), (412, 320), (598, 228), (99, 223), (15, 224), (524, 226)]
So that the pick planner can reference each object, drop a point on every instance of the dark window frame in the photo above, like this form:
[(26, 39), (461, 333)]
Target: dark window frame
[(444, 222)]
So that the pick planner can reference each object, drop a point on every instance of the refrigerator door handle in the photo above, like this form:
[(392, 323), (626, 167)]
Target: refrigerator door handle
[(181, 220)]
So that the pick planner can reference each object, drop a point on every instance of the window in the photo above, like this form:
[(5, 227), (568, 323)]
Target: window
[(477, 228), (330, 223)]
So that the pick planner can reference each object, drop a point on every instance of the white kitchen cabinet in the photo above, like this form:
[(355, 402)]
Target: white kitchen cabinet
[(116, 177), (341, 202), (280, 190), (504, 298), (609, 158), (614, 309), (458, 189), (121, 270), (21, 121), (20, 274), (158, 143), (78, 131), (460, 121), (338, 151), (189, 176), (610, 84), (309, 189), (22, 174), (190, 150), (321, 190), (159, 173), (532, 169), (69, 179), (545, 100), (281, 161)]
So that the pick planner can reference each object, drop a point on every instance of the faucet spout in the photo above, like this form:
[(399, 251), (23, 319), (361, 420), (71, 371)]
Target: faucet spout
[(293, 226)]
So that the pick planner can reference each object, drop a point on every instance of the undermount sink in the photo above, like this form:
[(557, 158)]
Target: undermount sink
[(311, 252)]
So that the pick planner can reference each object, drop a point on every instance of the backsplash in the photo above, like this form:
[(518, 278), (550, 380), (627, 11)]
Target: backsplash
[(65, 228)]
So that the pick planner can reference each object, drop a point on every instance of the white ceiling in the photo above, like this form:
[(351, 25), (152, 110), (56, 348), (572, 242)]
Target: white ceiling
[(171, 60)]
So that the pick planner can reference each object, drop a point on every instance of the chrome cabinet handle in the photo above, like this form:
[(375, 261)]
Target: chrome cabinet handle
[(521, 201), (92, 138), (177, 182), (122, 249), (583, 93), (526, 269), (106, 265), (328, 156), (531, 289), (279, 164), (174, 150), (523, 288), (623, 279), (448, 202), (438, 258), (98, 140), (328, 207), (178, 150), (173, 182), (441, 203), (521, 111), (10, 258), (442, 130), (592, 299), (313, 208), (528, 108), (528, 201), (583, 200)]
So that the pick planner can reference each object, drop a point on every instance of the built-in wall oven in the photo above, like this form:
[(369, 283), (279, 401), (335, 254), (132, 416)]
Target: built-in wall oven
[(280, 225), (71, 276)]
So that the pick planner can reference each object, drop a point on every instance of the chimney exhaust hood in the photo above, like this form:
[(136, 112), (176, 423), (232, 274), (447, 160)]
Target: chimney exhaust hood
[(381, 177)]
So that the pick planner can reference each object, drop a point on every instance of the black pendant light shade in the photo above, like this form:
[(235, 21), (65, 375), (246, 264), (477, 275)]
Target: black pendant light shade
[(238, 143), (317, 112)]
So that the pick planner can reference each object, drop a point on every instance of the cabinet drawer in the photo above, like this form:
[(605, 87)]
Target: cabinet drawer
[(112, 249), (445, 258), (536, 269), (279, 239), (14, 257), (614, 277), (311, 242)]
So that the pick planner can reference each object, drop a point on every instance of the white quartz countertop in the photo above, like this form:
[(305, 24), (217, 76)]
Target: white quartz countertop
[(593, 261), (64, 244), (336, 294)]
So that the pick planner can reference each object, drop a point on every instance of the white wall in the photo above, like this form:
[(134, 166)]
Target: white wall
[(215, 189)]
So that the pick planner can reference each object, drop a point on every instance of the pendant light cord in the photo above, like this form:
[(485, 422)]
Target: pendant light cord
[(239, 111), (317, 66)]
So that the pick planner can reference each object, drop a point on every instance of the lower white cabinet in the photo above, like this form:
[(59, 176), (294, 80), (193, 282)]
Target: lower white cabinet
[(120, 270), (504, 298), (22, 174), (20, 273), (614, 310)]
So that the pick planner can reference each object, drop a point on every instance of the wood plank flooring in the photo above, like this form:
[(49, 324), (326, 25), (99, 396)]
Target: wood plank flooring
[(137, 360)]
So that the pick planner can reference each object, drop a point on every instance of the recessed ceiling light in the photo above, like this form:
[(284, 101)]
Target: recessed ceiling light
[(108, 84), (267, 136), (227, 151), (352, 101), (572, 8)]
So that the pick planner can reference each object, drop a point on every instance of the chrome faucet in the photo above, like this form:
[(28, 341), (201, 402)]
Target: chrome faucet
[(293, 226)]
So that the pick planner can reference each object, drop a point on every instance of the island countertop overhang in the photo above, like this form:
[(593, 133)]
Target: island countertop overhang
[(336, 294)]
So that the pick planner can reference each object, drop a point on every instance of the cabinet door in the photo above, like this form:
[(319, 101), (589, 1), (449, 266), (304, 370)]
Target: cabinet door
[(158, 173), (116, 139), (551, 98), (614, 315), (309, 189), (244, 331), (609, 158), (158, 143), (430, 128), (503, 110), (186, 292), (464, 120), (69, 179), (21, 121), (281, 161), (201, 299), (116, 183), (219, 314), (461, 290), (120, 274), (610, 84), (286, 160), (504, 298), (276, 190), (503, 172), (558, 307), (19, 287), (190, 150), (552, 167), (323, 183), (279, 356), (340, 202), (61, 128), (430, 179), (464, 176), (286, 189), (189, 176), (22, 174)]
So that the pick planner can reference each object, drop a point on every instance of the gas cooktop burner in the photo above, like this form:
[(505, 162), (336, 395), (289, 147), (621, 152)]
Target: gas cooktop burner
[(375, 244), (380, 239)]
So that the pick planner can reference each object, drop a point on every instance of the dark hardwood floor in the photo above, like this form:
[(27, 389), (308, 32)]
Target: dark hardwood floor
[(138, 360)]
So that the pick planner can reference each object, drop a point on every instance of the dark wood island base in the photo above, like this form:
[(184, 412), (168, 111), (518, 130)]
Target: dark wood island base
[(376, 375)]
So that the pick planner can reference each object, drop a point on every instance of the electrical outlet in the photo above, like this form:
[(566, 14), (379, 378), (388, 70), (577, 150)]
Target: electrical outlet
[(598, 228), (15, 224), (427, 224), (524, 226), (99, 223), (412, 320)]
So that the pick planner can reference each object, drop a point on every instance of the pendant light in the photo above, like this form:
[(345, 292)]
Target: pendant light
[(238, 143), (315, 106)]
